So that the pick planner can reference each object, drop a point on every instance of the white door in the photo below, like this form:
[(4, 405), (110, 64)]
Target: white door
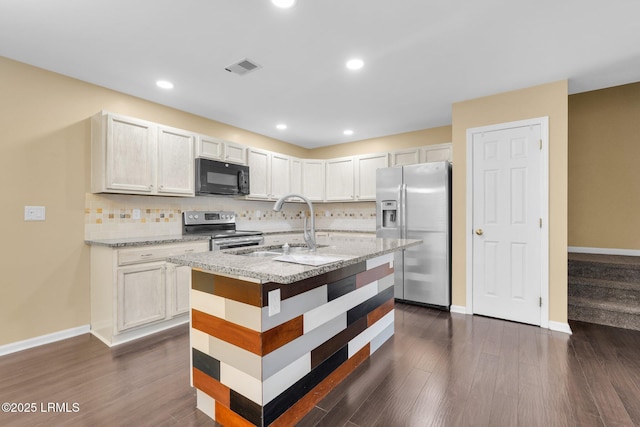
[(507, 217)]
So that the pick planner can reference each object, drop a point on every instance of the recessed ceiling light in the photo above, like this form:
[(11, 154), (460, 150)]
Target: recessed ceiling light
[(281, 126), (164, 84), (284, 4), (348, 132), (355, 64)]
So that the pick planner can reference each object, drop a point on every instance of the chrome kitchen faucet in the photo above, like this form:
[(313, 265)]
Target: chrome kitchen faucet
[(309, 235)]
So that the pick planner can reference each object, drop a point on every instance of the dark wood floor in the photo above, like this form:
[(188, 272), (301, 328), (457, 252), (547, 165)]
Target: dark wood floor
[(439, 369)]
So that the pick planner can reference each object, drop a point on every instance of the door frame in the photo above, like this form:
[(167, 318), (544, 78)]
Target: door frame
[(544, 210)]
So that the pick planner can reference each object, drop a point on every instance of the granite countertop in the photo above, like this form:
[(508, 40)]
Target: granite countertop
[(145, 241), (179, 238), (351, 249)]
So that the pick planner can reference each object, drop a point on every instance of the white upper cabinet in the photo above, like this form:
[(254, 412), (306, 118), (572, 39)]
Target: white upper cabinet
[(436, 153), (295, 182), (134, 156), (212, 148), (313, 179), (235, 153), (366, 167), (405, 157), (122, 155), (339, 179), (269, 174), (280, 175), (175, 162), (259, 173)]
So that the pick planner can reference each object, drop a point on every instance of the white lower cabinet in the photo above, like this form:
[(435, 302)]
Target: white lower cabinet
[(142, 295), (135, 292)]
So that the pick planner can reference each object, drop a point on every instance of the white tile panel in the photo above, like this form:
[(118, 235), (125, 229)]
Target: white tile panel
[(381, 338), (207, 303), (287, 354), (378, 261), (235, 356), (328, 311), (206, 404), (199, 340), (246, 385), (243, 314), (370, 333), (294, 306), (280, 381), (385, 282)]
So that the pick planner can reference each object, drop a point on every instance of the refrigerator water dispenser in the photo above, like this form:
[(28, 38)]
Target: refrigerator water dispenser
[(389, 214)]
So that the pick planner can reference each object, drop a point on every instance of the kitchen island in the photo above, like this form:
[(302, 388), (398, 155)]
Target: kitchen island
[(270, 339)]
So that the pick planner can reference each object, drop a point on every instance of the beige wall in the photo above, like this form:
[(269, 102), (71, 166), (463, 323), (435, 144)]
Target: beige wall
[(399, 141), (44, 161), (604, 168), (545, 100)]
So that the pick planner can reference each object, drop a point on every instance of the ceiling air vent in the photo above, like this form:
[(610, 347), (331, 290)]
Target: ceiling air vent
[(242, 67)]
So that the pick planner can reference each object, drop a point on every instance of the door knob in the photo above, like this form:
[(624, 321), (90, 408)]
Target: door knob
[(479, 232)]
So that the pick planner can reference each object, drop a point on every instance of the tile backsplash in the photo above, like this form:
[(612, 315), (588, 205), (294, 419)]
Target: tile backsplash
[(110, 216)]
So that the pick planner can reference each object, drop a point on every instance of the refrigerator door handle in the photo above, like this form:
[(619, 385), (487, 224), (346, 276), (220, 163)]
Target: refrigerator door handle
[(403, 211)]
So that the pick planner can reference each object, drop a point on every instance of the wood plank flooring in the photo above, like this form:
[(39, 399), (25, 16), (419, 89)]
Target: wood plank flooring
[(440, 369)]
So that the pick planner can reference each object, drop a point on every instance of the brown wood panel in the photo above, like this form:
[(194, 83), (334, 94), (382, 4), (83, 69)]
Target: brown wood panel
[(238, 290), (202, 281), (282, 334), (228, 418), (305, 404), (214, 388), (237, 335), (375, 273), (302, 286), (380, 312), (329, 347)]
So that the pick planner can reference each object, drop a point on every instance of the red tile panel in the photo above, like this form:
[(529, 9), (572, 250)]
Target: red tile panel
[(375, 273)]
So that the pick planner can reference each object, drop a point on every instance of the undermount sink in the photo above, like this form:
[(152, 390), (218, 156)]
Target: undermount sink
[(278, 251), (295, 255)]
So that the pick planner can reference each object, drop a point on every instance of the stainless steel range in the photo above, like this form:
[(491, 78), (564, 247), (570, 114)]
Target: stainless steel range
[(221, 226)]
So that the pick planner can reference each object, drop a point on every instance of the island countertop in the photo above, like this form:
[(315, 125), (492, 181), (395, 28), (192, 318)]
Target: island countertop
[(351, 250)]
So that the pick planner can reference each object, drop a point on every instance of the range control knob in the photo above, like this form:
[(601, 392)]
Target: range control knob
[(196, 216)]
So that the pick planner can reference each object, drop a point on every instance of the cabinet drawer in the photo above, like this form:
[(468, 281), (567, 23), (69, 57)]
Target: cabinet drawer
[(159, 252)]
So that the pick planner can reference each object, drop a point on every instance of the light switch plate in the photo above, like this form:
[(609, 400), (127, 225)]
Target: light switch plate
[(274, 302), (34, 213), (136, 214)]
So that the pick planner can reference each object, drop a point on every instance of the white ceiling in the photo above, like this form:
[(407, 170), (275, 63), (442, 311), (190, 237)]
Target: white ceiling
[(420, 55)]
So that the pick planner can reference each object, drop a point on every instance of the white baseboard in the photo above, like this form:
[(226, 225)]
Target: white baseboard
[(560, 327), (43, 339), (458, 309), (604, 251)]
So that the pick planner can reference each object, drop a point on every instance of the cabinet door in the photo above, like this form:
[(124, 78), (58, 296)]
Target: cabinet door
[(175, 162), (209, 148), (405, 157), (366, 167), (339, 179), (259, 173), (235, 153), (437, 153), (313, 179), (295, 184), (280, 176), (130, 155), (179, 277), (141, 295)]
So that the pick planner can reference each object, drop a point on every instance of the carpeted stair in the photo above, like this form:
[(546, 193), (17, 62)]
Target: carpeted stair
[(605, 289)]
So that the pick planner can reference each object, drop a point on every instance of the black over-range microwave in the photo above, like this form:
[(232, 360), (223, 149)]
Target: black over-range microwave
[(213, 177)]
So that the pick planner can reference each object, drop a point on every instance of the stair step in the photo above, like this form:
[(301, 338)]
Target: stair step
[(604, 289), (618, 314), (606, 267)]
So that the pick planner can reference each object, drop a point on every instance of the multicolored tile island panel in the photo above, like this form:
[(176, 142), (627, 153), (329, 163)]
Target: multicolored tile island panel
[(265, 354)]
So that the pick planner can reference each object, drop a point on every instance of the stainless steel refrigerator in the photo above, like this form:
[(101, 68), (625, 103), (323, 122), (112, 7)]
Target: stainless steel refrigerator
[(414, 202)]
